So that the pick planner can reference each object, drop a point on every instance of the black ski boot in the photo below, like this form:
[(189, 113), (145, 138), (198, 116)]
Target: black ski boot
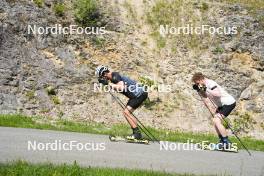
[(133, 136), (136, 134), (225, 144)]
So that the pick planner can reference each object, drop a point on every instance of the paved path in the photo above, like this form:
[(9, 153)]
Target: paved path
[(14, 145)]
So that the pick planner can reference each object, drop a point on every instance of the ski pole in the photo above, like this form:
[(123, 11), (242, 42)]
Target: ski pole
[(143, 128), (233, 132), (121, 104), (228, 125), (206, 106), (123, 107), (155, 139)]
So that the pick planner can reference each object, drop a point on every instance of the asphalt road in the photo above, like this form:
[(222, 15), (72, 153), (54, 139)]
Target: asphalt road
[(18, 143)]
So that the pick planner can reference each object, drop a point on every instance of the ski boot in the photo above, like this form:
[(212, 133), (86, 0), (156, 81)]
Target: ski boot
[(134, 136)]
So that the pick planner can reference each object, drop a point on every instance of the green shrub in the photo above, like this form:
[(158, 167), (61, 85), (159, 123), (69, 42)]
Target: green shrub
[(99, 42), (218, 50), (86, 12), (205, 6), (51, 90), (59, 9), (30, 95), (262, 125), (150, 104), (144, 43), (243, 123), (55, 100), (161, 41), (39, 3), (148, 82), (163, 12)]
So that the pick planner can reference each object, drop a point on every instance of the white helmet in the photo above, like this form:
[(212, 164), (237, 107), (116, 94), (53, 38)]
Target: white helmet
[(100, 70)]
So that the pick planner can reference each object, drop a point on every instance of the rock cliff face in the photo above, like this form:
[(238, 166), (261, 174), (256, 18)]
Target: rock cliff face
[(53, 75)]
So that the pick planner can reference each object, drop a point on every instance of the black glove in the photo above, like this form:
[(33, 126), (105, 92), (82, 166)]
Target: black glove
[(103, 81), (203, 88), (196, 87)]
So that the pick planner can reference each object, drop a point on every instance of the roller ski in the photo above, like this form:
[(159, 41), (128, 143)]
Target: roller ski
[(128, 139), (222, 147)]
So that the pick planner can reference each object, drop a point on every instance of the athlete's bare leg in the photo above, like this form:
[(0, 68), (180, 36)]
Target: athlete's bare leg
[(129, 117), (220, 129)]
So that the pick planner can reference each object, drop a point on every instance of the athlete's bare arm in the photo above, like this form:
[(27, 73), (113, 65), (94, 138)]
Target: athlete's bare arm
[(211, 108)]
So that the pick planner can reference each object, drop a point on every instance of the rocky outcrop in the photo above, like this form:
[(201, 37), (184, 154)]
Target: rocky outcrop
[(52, 75)]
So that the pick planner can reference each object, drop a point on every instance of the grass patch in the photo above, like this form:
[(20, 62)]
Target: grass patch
[(130, 9), (86, 12), (160, 41), (176, 14), (218, 50), (23, 168), (39, 3), (117, 129), (205, 6), (244, 123), (164, 12), (99, 42), (59, 9), (55, 100), (35, 122)]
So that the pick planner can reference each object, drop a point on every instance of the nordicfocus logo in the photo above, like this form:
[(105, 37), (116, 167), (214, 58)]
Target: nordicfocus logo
[(132, 88), (59, 145), (189, 29), (189, 145), (58, 29)]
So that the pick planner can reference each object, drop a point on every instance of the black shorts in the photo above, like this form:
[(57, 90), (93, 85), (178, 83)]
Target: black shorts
[(136, 102), (226, 109)]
